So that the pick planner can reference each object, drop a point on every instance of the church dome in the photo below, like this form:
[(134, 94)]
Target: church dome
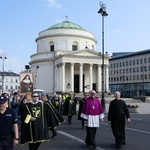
[(66, 25)]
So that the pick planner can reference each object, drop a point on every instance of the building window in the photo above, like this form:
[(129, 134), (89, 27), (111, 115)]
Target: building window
[(149, 59), (16, 81), (133, 69), (111, 65), (123, 71), (137, 61), (117, 65), (130, 70), (51, 48), (126, 63), (114, 65), (11, 80), (145, 68), (120, 71), (142, 77), (130, 62), (137, 69), (120, 64), (74, 47), (123, 64), (133, 62), (145, 60), (130, 77), (137, 77), (141, 61)]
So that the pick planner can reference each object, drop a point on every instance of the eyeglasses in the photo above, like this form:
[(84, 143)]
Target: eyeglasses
[(93, 93), (86, 95), (35, 95)]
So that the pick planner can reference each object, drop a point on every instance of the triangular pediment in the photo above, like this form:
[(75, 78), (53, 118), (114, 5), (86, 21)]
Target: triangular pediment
[(86, 52)]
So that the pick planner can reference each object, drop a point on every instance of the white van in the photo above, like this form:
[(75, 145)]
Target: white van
[(39, 91)]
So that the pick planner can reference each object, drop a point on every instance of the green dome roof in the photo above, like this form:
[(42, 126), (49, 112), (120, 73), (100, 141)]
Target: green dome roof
[(66, 25)]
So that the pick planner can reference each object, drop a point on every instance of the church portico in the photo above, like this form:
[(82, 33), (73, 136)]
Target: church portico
[(81, 77)]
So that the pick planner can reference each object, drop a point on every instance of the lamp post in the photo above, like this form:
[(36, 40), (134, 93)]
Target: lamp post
[(37, 67), (3, 57), (103, 13)]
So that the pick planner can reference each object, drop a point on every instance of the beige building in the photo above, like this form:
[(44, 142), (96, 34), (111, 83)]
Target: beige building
[(67, 60), (130, 73)]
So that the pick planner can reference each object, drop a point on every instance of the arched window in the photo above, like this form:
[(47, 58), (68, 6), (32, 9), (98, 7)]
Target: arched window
[(75, 46), (51, 46), (93, 47)]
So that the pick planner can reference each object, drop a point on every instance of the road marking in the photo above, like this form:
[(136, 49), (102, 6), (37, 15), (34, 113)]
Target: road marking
[(142, 131), (138, 130), (76, 139)]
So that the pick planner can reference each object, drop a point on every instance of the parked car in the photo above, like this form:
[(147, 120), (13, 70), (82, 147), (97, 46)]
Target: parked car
[(39, 91)]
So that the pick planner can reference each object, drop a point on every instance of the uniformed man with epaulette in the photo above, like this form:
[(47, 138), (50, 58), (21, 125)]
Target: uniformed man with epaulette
[(8, 125)]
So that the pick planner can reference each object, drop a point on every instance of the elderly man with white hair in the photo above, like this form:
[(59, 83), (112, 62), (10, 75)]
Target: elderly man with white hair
[(92, 112), (117, 113)]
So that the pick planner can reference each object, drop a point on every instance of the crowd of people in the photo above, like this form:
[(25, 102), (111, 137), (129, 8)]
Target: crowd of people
[(36, 117)]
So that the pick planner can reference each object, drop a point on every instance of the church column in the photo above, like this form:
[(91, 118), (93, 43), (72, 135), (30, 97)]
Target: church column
[(81, 78), (107, 79), (58, 78), (99, 79), (91, 76), (55, 78), (72, 77), (63, 77)]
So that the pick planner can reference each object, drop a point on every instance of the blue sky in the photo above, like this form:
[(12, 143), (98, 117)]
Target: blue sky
[(127, 27)]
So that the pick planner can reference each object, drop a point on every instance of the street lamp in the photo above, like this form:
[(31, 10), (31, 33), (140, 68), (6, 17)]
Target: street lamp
[(37, 67), (3, 57), (103, 13)]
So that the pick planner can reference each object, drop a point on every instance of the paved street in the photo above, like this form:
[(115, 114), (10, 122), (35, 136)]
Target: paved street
[(72, 136)]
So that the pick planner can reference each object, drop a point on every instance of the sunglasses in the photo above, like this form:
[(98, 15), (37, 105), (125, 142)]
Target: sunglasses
[(35, 95)]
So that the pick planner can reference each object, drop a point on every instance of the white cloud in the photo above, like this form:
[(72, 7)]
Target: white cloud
[(25, 48), (14, 64), (57, 21), (53, 3), (118, 31)]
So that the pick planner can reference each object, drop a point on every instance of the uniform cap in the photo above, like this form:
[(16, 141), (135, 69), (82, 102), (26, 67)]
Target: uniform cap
[(3, 99)]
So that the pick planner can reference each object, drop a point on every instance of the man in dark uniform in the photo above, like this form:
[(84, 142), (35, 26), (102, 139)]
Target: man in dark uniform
[(116, 117), (8, 126), (86, 95), (34, 128), (69, 108)]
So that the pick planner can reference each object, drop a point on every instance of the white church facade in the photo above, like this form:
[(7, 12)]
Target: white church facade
[(67, 60)]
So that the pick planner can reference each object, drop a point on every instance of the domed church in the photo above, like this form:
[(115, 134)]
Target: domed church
[(67, 60)]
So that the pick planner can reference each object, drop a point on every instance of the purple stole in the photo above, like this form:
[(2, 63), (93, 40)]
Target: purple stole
[(92, 106)]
